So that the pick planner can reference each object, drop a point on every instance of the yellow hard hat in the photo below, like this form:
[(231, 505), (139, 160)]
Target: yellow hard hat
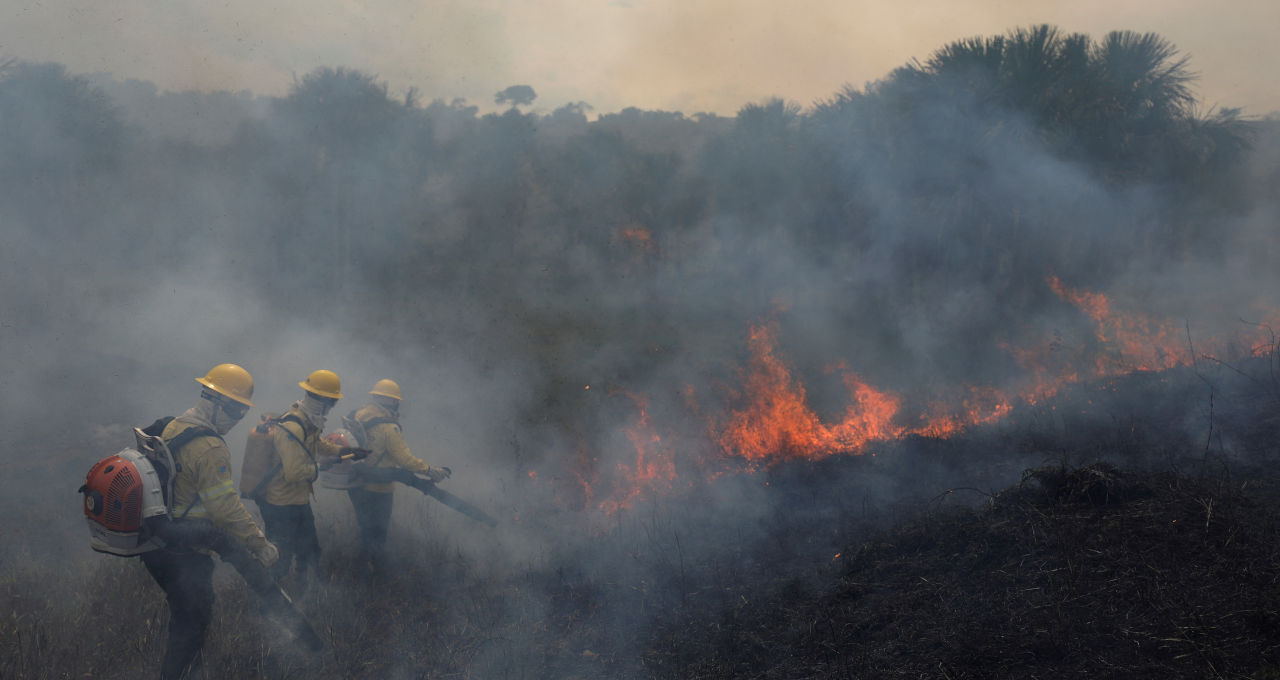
[(230, 381), (386, 388), (323, 383)]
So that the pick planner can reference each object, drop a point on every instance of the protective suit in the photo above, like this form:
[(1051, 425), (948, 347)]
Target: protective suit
[(203, 487), (372, 502), (302, 453), (203, 491), (386, 442), (286, 505)]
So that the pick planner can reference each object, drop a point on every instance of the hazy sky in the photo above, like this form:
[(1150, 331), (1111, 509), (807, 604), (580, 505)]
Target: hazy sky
[(685, 55)]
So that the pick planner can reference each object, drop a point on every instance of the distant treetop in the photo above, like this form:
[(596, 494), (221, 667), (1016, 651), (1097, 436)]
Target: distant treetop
[(518, 95)]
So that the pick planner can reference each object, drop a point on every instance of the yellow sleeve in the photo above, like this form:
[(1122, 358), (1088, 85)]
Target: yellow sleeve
[(387, 437), (295, 463), (220, 498)]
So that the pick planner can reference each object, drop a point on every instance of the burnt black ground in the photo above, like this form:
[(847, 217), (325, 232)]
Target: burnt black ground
[(1078, 572), (1145, 543)]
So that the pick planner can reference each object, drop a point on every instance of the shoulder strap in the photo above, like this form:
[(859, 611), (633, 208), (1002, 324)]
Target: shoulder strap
[(182, 439), (378, 421), (275, 470), (156, 428), (189, 434), (294, 418), (375, 421)]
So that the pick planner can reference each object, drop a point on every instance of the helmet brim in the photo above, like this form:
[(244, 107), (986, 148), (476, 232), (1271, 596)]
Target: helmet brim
[(234, 397), (320, 393)]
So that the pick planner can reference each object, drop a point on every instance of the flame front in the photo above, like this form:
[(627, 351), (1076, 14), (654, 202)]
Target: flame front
[(769, 418), (778, 423), (777, 420), (1132, 342)]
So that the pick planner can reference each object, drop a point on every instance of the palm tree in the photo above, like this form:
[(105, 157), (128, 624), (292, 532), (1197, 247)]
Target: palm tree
[(1137, 105), (942, 128), (1124, 103), (1144, 75)]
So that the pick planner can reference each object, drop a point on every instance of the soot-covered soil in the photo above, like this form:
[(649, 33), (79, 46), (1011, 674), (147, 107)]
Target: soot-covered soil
[(1076, 572)]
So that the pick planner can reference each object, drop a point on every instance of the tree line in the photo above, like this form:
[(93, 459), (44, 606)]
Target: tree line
[(982, 168)]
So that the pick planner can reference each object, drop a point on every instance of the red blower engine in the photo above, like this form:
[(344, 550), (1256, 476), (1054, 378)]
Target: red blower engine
[(123, 491)]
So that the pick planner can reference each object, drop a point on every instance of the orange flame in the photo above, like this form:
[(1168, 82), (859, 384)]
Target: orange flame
[(637, 237), (983, 406), (636, 248), (654, 469), (771, 419), (1135, 342), (778, 422)]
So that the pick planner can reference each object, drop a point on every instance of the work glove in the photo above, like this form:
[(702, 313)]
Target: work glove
[(437, 474), (267, 554)]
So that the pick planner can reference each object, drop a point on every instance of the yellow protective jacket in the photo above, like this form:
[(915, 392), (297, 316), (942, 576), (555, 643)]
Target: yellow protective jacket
[(386, 444), (202, 487), (299, 466)]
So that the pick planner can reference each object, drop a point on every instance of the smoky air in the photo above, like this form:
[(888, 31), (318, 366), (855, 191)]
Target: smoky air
[(682, 359)]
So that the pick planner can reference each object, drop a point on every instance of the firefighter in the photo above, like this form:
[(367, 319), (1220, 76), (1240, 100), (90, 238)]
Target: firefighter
[(203, 493), (380, 420), (286, 500)]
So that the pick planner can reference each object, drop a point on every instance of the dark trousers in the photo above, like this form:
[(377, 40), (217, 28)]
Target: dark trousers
[(373, 515), (187, 579), (292, 528)]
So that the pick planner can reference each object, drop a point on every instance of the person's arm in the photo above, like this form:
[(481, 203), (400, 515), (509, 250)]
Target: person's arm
[(387, 437)]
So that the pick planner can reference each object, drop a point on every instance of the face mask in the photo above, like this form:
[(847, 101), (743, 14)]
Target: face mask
[(209, 412), (392, 405), (315, 408), (222, 423), (226, 415)]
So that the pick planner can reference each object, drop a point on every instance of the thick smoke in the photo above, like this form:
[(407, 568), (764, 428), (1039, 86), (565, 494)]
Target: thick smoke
[(561, 297)]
